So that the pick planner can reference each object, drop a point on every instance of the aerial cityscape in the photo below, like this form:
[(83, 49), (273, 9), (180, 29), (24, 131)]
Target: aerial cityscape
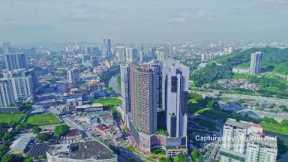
[(101, 87)]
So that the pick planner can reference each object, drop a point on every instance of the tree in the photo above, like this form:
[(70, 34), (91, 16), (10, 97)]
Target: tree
[(12, 158), (26, 106), (180, 158), (43, 137), (36, 130), (131, 160), (28, 159), (195, 155), (61, 130), (7, 158), (163, 159)]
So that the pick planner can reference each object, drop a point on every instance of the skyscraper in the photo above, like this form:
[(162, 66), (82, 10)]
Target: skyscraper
[(145, 92), (15, 61), (157, 96), (73, 76), (131, 55), (175, 89), (125, 93), (22, 83), (22, 87), (7, 97), (255, 65), (107, 50), (161, 55)]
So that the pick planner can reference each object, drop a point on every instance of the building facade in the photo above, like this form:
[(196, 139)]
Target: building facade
[(124, 77), (246, 142), (73, 76), (23, 83), (157, 101), (255, 65), (175, 90), (145, 81), (15, 61), (7, 98), (261, 148), (107, 50)]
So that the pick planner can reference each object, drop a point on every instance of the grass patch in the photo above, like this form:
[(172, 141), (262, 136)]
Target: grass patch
[(215, 114), (108, 102), (272, 125), (11, 118), (43, 119), (201, 111)]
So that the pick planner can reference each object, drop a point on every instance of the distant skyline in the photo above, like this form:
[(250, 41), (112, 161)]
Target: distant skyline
[(50, 21)]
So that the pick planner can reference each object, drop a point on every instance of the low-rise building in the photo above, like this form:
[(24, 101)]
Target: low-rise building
[(20, 144), (86, 151)]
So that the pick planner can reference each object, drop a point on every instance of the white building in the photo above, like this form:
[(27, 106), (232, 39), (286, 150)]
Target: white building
[(22, 87), (261, 148), (7, 97), (175, 87), (245, 142), (255, 65)]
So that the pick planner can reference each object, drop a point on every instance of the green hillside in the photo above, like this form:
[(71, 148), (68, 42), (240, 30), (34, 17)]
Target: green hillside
[(274, 59), (272, 82)]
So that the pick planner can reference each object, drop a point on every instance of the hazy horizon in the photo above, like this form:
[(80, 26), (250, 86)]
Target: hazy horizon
[(52, 21)]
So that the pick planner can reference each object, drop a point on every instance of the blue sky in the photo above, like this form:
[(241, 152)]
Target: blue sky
[(28, 21)]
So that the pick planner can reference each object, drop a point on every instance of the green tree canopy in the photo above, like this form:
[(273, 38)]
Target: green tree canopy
[(61, 130)]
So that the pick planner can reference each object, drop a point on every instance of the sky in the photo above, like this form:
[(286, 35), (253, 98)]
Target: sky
[(48, 21)]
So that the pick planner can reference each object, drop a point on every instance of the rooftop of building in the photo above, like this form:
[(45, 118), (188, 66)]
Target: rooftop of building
[(235, 123), (82, 150), (21, 142), (242, 124)]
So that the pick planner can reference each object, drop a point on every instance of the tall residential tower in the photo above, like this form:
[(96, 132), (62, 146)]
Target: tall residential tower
[(7, 97), (15, 61), (255, 65), (175, 90)]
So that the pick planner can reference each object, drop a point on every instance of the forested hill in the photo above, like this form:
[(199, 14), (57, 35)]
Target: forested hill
[(274, 60)]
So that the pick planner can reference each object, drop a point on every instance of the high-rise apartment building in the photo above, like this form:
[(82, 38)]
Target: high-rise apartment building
[(175, 89), (246, 142), (107, 50), (145, 100), (22, 87), (157, 95), (161, 55), (73, 76), (7, 98), (23, 83), (131, 55), (125, 93), (15, 61), (255, 65), (261, 148)]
